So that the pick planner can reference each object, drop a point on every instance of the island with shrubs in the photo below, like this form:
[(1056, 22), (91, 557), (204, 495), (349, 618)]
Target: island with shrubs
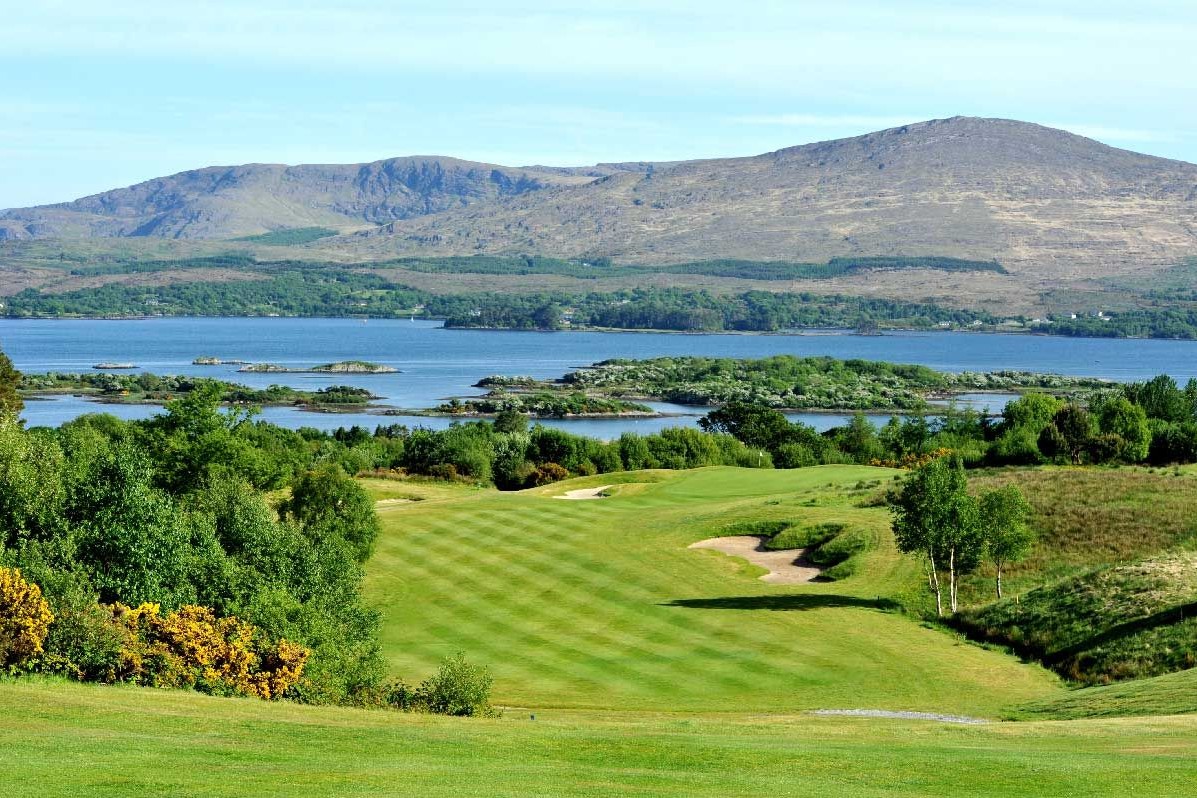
[(154, 389), (340, 367), (784, 382)]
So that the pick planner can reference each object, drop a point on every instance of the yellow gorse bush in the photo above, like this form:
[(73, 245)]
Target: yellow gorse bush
[(912, 460), (25, 618), (191, 647)]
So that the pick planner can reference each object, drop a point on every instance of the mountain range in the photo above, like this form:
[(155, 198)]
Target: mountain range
[(1031, 197)]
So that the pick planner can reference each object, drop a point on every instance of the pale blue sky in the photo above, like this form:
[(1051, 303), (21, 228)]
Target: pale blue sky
[(103, 94)]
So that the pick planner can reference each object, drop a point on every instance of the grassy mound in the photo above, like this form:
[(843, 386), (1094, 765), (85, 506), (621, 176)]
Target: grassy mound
[(833, 547), (798, 536), (1170, 694), (1123, 622), (602, 605), (1110, 591), (1089, 518)]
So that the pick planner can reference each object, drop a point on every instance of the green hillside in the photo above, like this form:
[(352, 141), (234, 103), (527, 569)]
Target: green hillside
[(1110, 590)]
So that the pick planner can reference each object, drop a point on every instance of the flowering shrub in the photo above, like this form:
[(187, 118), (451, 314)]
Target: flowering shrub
[(191, 647), (913, 460), (24, 618)]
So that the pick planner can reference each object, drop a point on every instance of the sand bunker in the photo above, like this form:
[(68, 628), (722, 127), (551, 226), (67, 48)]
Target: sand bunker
[(786, 567), (388, 502), (584, 493)]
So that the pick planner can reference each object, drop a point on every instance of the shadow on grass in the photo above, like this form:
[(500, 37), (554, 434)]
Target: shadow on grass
[(784, 603)]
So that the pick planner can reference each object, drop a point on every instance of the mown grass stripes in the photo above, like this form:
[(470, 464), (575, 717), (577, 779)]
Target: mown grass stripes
[(584, 603)]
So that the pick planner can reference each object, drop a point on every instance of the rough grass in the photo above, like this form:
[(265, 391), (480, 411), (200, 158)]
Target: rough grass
[(65, 740), (1110, 591), (1170, 694), (600, 604), (1123, 622), (1093, 517)]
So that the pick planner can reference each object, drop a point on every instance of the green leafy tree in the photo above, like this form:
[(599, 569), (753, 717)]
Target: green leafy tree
[(130, 534), (1070, 433), (10, 381), (1023, 421), (634, 452), (548, 317), (1033, 410), (31, 483), (1160, 397), (916, 435), (1117, 416), (326, 503), (936, 518), (859, 439), (194, 438), (509, 421), (1008, 537), (756, 425)]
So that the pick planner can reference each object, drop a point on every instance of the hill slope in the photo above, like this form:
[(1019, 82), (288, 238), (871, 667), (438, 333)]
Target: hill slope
[(227, 201), (1050, 206), (1029, 196)]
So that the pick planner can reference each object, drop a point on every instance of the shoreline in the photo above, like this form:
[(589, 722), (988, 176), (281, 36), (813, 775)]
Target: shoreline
[(795, 332), (384, 411)]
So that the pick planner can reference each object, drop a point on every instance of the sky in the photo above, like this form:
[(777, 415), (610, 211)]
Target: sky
[(97, 95)]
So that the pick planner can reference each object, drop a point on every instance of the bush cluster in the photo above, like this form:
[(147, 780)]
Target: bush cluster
[(191, 647), (24, 619)]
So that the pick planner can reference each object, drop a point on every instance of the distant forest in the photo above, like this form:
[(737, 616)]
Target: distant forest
[(306, 288)]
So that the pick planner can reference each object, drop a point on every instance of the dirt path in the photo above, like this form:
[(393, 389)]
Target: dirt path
[(786, 567), (584, 493), (885, 713)]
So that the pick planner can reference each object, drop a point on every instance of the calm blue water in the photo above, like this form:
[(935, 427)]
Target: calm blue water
[(437, 363)]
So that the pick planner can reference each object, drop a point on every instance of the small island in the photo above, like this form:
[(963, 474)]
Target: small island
[(544, 404), (340, 367), (106, 366), (784, 382), (208, 360), (153, 389)]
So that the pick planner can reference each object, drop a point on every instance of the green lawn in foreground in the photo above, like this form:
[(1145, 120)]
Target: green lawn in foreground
[(72, 740), (600, 604)]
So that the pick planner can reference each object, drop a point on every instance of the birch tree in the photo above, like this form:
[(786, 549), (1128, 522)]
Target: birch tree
[(1008, 538), (936, 518)]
